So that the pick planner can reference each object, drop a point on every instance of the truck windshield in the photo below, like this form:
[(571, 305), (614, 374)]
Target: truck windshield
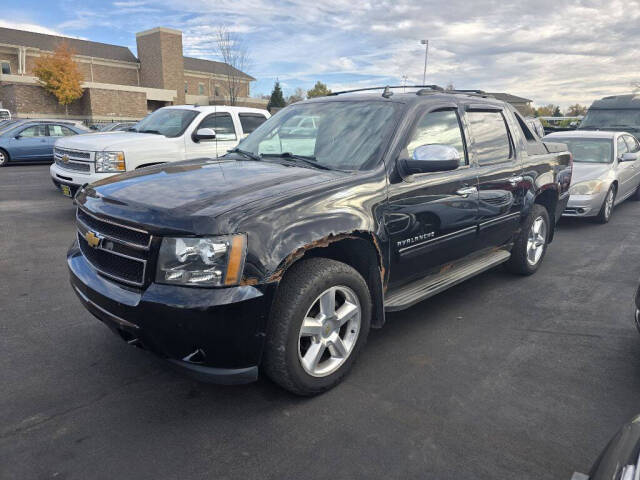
[(588, 150), (340, 135), (170, 122), (603, 119)]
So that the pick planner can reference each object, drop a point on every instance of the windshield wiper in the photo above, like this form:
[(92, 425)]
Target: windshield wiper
[(250, 155), (311, 161), (156, 132)]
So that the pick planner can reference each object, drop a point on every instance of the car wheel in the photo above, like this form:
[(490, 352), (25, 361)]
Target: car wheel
[(607, 206), (531, 244), (319, 323), (4, 158)]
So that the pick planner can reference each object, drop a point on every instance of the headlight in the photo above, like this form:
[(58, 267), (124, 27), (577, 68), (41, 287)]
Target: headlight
[(208, 261), (587, 188), (110, 162)]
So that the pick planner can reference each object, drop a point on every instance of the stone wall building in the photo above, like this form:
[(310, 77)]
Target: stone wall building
[(117, 85)]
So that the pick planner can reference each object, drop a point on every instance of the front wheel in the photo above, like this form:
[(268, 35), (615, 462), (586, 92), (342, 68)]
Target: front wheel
[(531, 244), (607, 206), (318, 324)]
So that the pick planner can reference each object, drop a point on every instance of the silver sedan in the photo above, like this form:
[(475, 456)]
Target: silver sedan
[(606, 171)]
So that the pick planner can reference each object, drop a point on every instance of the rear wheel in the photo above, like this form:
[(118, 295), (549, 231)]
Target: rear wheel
[(319, 322), (531, 244), (607, 206), (4, 158)]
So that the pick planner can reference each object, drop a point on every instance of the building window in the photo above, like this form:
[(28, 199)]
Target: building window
[(186, 87), (201, 89), (216, 91), (6, 68)]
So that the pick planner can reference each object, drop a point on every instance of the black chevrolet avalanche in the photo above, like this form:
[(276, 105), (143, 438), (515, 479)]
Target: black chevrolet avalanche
[(280, 256)]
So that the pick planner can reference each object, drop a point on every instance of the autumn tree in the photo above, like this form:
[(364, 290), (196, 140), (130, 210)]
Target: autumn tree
[(576, 110), (547, 110), (318, 90), (235, 56), (60, 76)]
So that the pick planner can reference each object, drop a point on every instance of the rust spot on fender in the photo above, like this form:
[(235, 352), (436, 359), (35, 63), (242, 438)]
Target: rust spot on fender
[(249, 281), (323, 243)]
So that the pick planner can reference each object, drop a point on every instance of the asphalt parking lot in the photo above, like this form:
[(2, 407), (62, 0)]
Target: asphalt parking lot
[(500, 377)]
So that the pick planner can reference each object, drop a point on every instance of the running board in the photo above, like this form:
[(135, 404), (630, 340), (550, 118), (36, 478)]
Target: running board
[(418, 290)]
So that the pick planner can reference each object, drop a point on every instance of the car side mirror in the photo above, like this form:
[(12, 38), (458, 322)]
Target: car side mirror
[(628, 157), (431, 158), (204, 134), (18, 137)]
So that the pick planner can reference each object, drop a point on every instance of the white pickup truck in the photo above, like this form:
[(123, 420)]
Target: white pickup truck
[(167, 135)]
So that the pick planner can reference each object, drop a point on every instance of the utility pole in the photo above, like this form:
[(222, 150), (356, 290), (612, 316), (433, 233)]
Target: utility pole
[(404, 83), (426, 53)]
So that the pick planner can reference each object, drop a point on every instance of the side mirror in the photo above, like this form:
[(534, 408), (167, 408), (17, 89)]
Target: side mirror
[(204, 134), (431, 158), (628, 157)]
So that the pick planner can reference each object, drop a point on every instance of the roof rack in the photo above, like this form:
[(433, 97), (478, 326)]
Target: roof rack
[(389, 87)]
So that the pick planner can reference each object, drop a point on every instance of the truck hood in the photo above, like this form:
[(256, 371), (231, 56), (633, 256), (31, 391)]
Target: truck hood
[(113, 141), (583, 171), (185, 196)]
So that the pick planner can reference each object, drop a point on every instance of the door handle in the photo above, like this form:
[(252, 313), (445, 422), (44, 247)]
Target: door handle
[(514, 181), (466, 191)]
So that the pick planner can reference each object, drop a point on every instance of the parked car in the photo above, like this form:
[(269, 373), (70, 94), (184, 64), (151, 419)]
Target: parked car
[(284, 258), (5, 114), (620, 460), (169, 134), (606, 171), (117, 126), (614, 113), (33, 140)]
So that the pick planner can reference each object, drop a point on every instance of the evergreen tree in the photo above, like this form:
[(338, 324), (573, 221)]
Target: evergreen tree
[(277, 99)]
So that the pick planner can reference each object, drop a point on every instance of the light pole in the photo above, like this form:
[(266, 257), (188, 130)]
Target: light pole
[(426, 53)]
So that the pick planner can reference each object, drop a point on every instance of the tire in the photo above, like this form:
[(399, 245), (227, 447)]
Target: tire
[(4, 158), (530, 247), (289, 350), (607, 206)]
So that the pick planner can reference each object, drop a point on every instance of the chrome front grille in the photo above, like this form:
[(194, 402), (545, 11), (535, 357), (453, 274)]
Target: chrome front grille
[(75, 160), (77, 166), (116, 251)]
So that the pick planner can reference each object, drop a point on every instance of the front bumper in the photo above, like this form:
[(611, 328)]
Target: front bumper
[(214, 335), (75, 180), (584, 205)]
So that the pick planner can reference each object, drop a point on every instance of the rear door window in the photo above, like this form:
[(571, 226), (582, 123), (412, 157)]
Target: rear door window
[(490, 137), (251, 121), (60, 131)]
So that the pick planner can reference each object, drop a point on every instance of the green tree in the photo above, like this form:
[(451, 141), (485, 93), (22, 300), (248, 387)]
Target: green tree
[(318, 90), (557, 112), (547, 110), (277, 99), (60, 76)]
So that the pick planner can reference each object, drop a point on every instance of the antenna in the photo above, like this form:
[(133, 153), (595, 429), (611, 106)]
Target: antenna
[(387, 92)]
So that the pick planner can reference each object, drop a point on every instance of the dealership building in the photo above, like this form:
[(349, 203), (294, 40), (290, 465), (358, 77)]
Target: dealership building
[(117, 84)]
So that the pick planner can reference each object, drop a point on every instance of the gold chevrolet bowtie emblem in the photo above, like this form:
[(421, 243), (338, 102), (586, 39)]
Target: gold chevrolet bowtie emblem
[(65, 158), (92, 239)]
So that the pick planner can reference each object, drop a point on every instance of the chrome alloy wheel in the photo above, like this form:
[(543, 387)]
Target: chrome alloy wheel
[(536, 240), (329, 331), (608, 204), (3, 158)]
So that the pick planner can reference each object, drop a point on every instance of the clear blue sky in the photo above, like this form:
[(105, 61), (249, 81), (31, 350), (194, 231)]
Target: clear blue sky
[(551, 51)]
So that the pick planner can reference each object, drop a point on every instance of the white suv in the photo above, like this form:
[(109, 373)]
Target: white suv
[(167, 135)]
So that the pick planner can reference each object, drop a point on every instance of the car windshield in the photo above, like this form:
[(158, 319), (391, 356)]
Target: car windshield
[(343, 135), (588, 150), (170, 122), (604, 119)]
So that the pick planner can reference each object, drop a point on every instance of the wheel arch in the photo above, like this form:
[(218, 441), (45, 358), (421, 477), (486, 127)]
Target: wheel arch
[(6, 153), (548, 198), (360, 250)]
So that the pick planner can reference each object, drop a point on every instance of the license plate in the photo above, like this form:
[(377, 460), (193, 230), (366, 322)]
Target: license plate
[(66, 190)]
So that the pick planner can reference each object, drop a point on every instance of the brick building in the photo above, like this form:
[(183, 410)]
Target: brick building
[(117, 85)]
